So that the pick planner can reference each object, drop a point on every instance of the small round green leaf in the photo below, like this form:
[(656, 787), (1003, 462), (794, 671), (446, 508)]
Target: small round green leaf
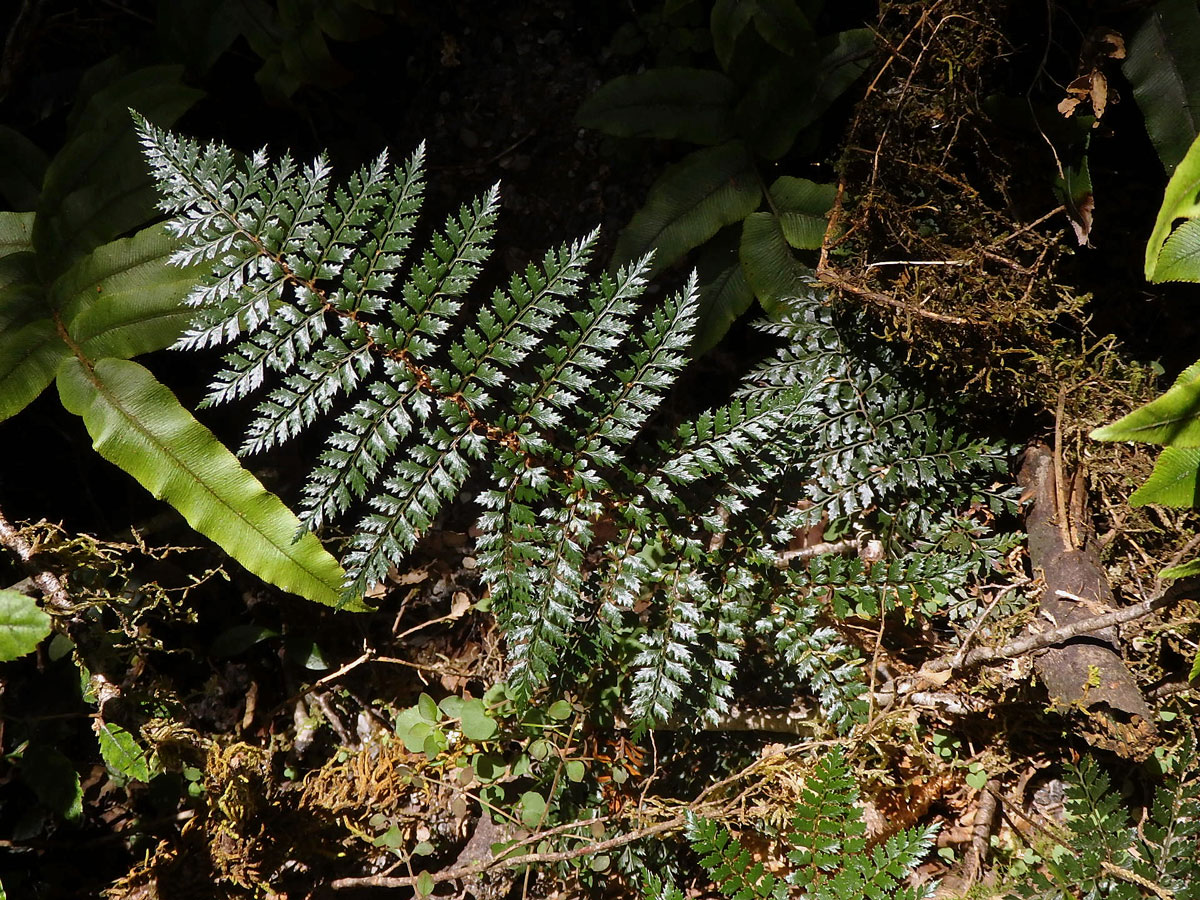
[(452, 706), (477, 725), (435, 744), (424, 884), (23, 625), (575, 770), (560, 709), (427, 708), (533, 807), (488, 766), (977, 777), (412, 729)]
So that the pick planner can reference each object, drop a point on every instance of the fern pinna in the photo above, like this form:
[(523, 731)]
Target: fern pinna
[(542, 391)]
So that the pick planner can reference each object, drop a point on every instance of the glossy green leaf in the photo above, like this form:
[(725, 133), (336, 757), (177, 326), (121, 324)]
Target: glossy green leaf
[(694, 105), (97, 187), (803, 209), (1164, 68), (1074, 188), (22, 296), (1181, 200), (1172, 419), (29, 357), (729, 18), (771, 270), (1179, 259), (793, 94), (138, 424), (54, 779), (1173, 481), (23, 625), (123, 299), (237, 639), (121, 752), (722, 300), (782, 25), (1184, 570), (691, 202), (575, 770)]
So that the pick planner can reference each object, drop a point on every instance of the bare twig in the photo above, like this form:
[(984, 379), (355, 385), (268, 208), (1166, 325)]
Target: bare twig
[(982, 655), (51, 586), (1034, 224), (957, 661), (918, 262), (981, 831), (839, 548), (834, 280)]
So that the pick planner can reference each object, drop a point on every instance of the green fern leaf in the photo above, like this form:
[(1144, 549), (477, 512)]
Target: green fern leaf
[(138, 424), (691, 202)]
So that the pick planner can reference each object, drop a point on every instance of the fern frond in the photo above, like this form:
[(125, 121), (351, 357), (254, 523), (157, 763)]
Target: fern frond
[(729, 864), (726, 438), (665, 664), (582, 351), (655, 888), (432, 295), (244, 219), (412, 498), (540, 626), (830, 853), (546, 386), (819, 659), (1169, 841), (369, 436), (640, 388)]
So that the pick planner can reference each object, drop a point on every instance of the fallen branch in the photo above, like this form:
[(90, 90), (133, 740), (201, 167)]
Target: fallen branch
[(981, 655)]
